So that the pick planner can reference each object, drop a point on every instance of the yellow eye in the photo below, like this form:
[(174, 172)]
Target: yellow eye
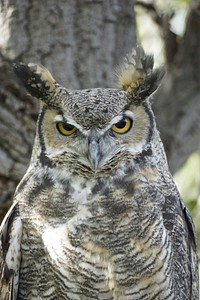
[(122, 126), (65, 128)]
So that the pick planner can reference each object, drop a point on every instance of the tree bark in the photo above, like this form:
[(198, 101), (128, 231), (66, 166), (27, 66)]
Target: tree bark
[(81, 42)]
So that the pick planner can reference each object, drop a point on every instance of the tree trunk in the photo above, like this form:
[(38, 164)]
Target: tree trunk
[(81, 42)]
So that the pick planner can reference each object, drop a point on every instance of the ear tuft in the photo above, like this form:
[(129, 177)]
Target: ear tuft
[(137, 76), (37, 80)]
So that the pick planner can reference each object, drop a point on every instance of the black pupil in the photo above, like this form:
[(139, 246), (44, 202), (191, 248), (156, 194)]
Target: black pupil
[(121, 124), (68, 126)]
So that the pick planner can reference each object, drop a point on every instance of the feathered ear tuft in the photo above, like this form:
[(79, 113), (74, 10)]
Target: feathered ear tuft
[(137, 76), (37, 80)]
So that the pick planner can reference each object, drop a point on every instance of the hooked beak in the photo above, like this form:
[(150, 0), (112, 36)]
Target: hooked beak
[(94, 155)]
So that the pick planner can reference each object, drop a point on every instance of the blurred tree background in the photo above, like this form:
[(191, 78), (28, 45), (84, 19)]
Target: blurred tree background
[(162, 27), (82, 42)]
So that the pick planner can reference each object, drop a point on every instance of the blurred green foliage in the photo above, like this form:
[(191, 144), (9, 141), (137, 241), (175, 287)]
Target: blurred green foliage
[(188, 180)]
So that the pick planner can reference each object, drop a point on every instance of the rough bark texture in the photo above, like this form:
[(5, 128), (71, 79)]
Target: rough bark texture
[(80, 42)]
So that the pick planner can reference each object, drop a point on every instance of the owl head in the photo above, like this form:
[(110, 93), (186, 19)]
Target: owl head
[(93, 130)]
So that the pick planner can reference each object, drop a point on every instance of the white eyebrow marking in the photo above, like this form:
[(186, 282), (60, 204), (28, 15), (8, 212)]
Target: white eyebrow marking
[(118, 118), (58, 118)]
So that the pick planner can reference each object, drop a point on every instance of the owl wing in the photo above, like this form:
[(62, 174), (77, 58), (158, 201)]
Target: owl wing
[(193, 252), (10, 253), (178, 221)]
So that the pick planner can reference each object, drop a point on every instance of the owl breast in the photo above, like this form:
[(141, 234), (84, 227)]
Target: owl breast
[(101, 241)]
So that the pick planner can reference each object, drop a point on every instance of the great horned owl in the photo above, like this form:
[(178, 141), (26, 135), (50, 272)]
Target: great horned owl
[(97, 214)]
